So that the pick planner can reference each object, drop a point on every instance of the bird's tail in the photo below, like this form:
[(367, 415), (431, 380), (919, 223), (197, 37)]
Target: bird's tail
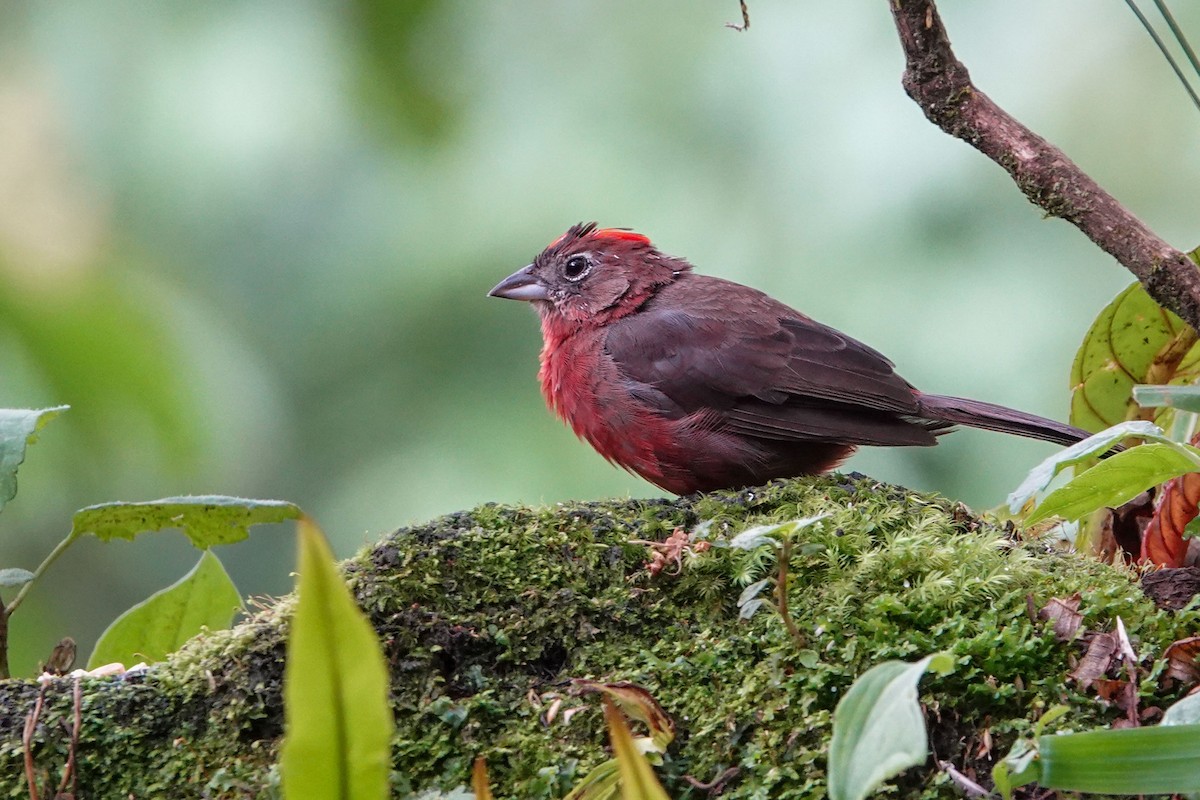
[(991, 417)]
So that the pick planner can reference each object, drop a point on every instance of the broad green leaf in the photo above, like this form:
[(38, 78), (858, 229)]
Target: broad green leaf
[(1157, 760), (1185, 398), (159, 625), (878, 729), (337, 721), (1040, 476), (1117, 479), (1132, 341), (751, 591), (637, 777), (759, 535), (1184, 712), (15, 576), (18, 429), (207, 520)]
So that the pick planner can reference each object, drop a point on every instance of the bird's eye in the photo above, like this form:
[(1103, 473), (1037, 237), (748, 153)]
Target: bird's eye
[(575, 268)]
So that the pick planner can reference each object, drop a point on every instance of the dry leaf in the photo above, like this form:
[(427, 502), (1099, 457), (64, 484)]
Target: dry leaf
[(1064, 613), (1181, 659), (1096, 660)]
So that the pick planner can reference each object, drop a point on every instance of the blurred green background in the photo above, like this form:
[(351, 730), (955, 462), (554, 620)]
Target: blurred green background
[(249, 242)]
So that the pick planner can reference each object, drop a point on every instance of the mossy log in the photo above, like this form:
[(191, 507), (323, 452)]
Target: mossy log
[(486, 616)]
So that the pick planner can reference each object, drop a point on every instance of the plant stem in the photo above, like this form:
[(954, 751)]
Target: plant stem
[(781, 594), (3, 642), (58, 550)]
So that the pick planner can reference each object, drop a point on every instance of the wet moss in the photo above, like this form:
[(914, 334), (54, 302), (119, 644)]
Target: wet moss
[(487, 615)]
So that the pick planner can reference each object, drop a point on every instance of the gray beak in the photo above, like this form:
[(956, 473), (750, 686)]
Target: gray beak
[(521, 285)]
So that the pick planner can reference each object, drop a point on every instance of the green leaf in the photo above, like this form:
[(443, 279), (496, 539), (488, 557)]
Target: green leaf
[(1133, 341), (749, 601), (637, 777), (1184, 712), (160, 624), (337, 721), (1117, 479), (18, 429), (15, 576), (602, 783), (1185, 398), (206, 520), (878, 729), (759, 535), (1040, 476), (1015, 769), (1158, 760)]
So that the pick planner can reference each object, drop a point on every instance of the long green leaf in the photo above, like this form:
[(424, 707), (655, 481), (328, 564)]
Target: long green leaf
[(18, 429), (1040, 476), (1117, 479), (878, 729), (159, 625), (337, 721), (638, 781), (206, 520), (1185, 398), (1158, 760)]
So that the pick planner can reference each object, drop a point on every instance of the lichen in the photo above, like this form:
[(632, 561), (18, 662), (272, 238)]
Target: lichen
[(485, 616)]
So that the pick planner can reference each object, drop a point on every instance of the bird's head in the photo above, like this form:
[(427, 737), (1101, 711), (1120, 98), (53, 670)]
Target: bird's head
[(592, 275)]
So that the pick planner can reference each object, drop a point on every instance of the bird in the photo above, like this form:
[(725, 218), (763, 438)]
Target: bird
[(697, 383)]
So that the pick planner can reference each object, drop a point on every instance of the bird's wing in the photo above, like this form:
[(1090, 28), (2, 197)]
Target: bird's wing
[(706, 344)]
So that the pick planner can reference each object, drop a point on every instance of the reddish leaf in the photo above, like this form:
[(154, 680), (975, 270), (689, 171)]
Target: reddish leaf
[(1178, 499), (1110, 690)]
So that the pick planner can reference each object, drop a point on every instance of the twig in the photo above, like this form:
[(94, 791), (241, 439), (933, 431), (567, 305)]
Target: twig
[(716, 784), (970, 787), (745, 18), (941, 86), (31, 721), (781, 594), (58, 550)]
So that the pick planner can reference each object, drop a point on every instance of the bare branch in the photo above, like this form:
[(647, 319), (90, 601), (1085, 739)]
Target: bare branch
[(940, 85)]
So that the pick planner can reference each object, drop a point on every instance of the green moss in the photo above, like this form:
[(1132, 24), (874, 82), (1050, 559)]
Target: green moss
[(487, 615)]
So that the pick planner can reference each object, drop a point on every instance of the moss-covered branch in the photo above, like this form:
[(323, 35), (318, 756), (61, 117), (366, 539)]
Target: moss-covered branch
[(486, 615)]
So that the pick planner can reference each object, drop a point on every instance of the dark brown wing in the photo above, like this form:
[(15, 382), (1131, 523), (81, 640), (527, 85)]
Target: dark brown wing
[(768, 371)]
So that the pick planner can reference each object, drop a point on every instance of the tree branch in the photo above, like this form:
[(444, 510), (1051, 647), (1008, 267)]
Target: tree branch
[(941, 86)]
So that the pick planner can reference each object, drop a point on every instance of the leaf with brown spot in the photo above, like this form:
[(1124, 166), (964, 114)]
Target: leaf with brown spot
[(1064, 614), (1133, 341), (1181, 659), (1096, 660)]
